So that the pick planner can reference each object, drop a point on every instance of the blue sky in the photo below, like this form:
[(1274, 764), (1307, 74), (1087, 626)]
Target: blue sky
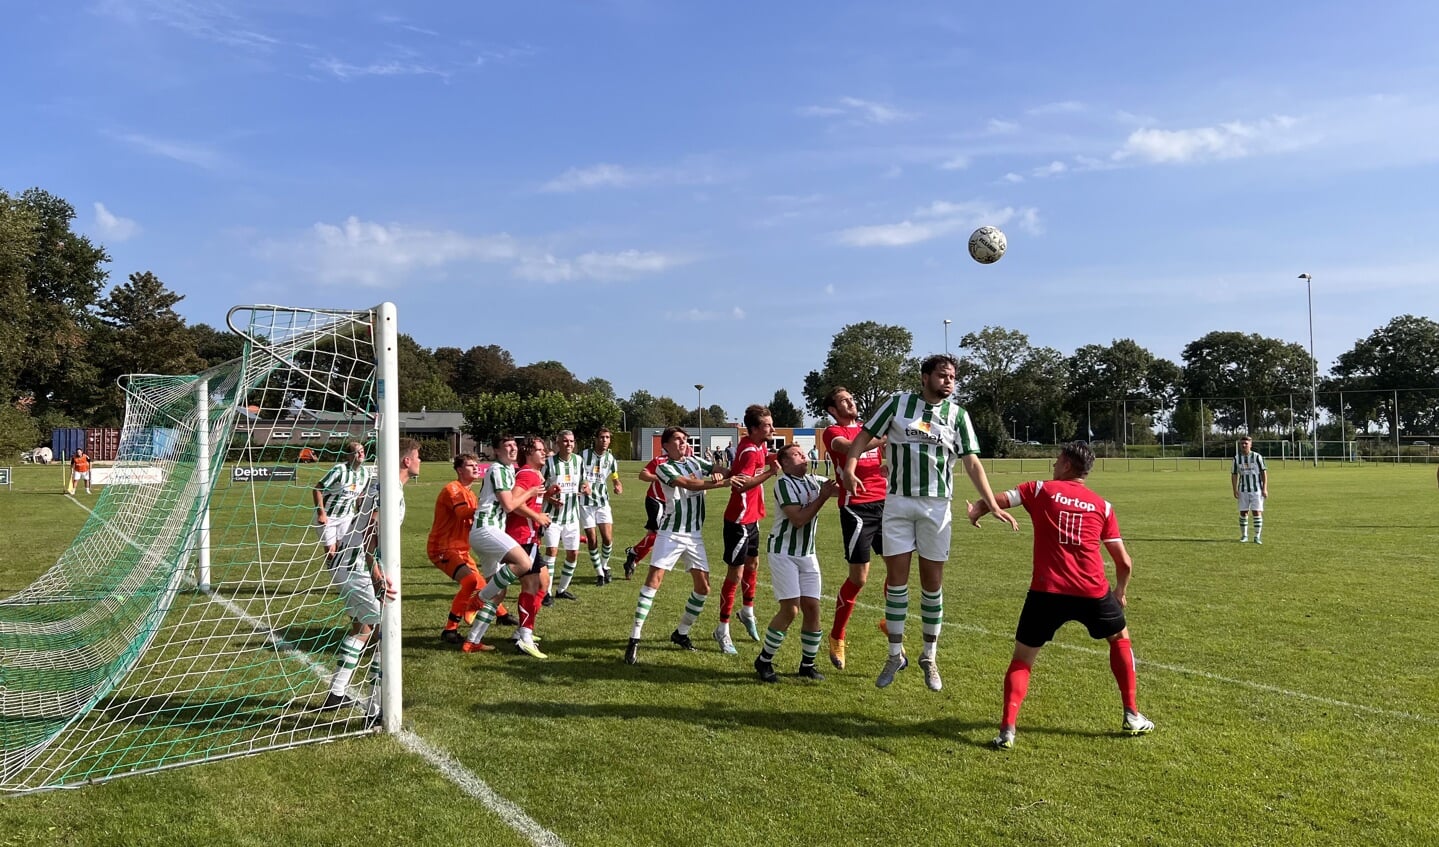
[(669, 193)]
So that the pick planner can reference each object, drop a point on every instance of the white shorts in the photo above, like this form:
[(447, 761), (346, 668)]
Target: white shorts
[(561, 536), (794, 576), (357, 589), (79, 475), (1251, 501), (334, 529), (673, 547), (490, 544), (916, 524), (593, 516)]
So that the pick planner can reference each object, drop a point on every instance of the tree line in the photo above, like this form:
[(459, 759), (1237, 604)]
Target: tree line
[(1226, 381), (65, 340)]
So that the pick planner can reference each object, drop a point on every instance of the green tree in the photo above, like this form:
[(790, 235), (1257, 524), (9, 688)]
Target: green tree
[(18, 240), (1403, 354), (1009, 387), (591, 411), (488, 415), (63, 278), (541, 376), (715, 415), (783, 411), (545, 414), (480, 369), (871, 359), (416, 367), (215, 347), (434, 395), (18, 432), (1241, 374), (641, 410), (139, 332)]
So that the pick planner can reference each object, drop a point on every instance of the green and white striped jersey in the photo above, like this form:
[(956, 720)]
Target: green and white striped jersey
[(925, 442), (499, 477), (599, 467), (1249, 469), (684, 509), (351, 549), (567, 474), (342, 487), (785, 537)]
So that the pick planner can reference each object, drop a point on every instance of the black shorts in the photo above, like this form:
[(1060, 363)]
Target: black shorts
[(1045, 613), (859, 525), (741, 542), (653, 508)]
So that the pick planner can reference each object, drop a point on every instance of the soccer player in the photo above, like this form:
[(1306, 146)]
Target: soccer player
[(448, 547), (524, 525), (1250, 481), (860, 514), (356, 572), (596, 519), (927, 432), (1071, 522), (564, 485), (793, 564), (496, 552), (685, 478), (654, 505), (79, 470), (752, 467), (337, 493)]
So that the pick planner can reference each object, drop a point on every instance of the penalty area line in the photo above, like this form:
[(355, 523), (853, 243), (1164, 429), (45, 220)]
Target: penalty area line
[(451, 768)]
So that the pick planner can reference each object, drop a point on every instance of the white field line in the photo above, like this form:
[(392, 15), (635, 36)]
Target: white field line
[(513, 816), (1179, 669)]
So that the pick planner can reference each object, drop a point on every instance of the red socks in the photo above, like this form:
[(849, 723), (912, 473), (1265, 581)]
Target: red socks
[(1016, 685), (727, 592), (1121, 662), (642, 549), (751, 581), (843, 608)]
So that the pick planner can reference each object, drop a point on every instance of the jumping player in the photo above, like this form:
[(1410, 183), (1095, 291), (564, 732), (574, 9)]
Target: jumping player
[(860, 514), (752, 467)]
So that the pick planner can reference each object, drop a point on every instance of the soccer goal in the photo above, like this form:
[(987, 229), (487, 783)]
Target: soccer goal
[(192, 618)]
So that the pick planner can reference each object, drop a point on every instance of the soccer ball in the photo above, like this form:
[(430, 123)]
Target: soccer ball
[(987, 245)]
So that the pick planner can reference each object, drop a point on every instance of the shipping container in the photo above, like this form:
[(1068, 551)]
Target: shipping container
[(102, 443), (64, 442)]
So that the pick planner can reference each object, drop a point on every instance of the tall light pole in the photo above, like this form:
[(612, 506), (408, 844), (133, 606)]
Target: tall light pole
[(700, 413), (946, 335), (1314, 373)]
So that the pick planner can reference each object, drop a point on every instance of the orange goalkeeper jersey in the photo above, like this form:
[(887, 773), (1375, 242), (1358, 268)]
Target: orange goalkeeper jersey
[(454, 516)]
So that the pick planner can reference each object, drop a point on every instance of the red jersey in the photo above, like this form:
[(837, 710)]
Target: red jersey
[(657, 491), (517, 526), (1070, 524), (454, 517), (867, 468), (749, 460)]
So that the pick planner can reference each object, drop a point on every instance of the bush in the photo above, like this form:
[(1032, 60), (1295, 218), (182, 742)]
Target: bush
[(18, 432), (435, 450)]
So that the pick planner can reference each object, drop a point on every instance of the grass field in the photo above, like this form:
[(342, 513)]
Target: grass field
[(1295, 687)]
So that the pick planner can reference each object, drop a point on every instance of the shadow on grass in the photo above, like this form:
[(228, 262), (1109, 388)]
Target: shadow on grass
[(722, 716)]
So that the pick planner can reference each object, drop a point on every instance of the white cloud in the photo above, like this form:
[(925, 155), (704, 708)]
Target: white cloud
[(112, 226), (955, 163), (829, 289), (1052, 169), (939, 219), (735, 314), (1062, 107), (595, 176), (858, 111), (604, 266), (1012, 177), (382, 255), (345, 71), (695, 171), (179, 151), (995, 126), (1232, 140), (207, 21)]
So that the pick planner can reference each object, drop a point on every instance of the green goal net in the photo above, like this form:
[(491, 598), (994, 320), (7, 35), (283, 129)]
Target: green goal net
[(193, 617)]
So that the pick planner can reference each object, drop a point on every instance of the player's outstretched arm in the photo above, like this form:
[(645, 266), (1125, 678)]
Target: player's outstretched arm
[(849, 479), (977, 477)]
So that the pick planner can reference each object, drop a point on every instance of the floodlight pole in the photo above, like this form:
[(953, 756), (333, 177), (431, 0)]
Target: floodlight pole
[(946, 335), (700, 413), (1314, 365)]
